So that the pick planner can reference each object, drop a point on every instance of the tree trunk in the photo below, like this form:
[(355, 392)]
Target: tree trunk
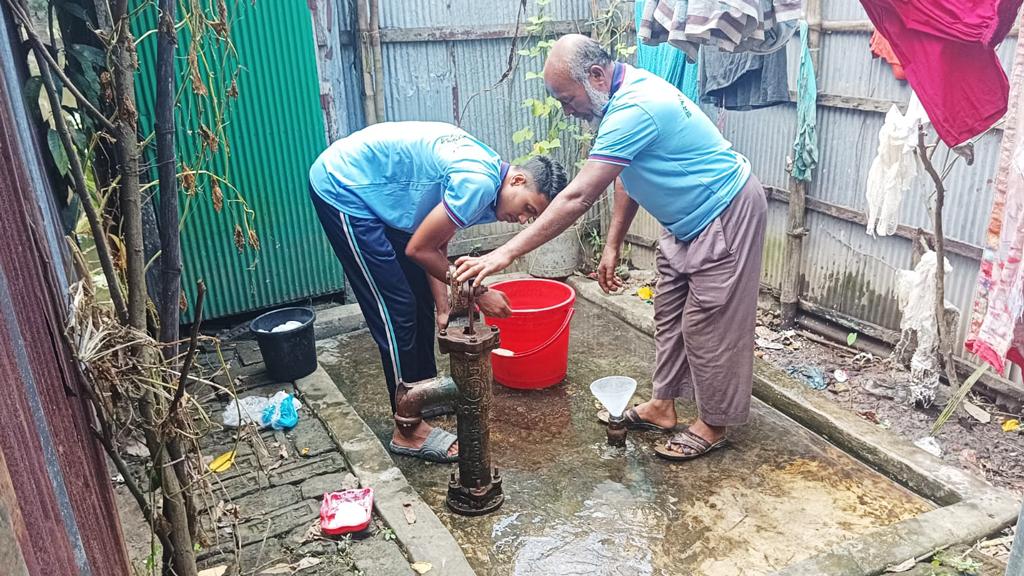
[(182, 557), (167, 172), (126, 122), (944, 333)]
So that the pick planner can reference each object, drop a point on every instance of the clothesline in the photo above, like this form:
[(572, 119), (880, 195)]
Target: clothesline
[(867, 26)]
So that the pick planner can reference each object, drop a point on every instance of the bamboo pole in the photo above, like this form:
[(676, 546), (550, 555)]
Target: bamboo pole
[(795, 228), (378, 60), (366, 63)]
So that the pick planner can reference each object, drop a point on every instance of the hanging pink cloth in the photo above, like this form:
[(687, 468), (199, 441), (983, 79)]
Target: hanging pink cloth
[(996, 332), (947, 51)]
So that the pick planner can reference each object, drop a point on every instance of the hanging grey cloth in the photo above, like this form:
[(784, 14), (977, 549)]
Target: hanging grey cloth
[(743, 81)]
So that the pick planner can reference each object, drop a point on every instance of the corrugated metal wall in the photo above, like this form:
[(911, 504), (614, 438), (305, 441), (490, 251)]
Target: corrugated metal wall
[(57, 510), (275, 130), (454, 80), (844, 269)]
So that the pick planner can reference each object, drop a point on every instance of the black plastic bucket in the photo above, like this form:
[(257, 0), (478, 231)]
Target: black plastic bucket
[(290, 354)]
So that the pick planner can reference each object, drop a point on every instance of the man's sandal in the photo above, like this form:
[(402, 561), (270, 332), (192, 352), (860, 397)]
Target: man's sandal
[(686, 446), (634, 421)]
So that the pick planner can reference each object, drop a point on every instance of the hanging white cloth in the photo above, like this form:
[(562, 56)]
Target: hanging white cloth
[(915, 293), (895, 166)]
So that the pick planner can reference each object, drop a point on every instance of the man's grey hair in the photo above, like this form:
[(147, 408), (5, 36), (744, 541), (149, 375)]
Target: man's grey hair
[(547, 175), (585, 56)]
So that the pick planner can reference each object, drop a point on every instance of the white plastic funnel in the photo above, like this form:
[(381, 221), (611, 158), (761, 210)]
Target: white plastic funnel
[(614, 393)]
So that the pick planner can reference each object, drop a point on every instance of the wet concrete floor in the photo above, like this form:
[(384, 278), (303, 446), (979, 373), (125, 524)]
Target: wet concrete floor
[(574, 505)]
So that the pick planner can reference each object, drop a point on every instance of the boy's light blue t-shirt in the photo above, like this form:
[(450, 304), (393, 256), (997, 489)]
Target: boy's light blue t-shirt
[(398, 172), (678, 166)]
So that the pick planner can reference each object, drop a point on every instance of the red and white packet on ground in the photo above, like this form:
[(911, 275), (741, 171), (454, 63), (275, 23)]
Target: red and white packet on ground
[(346, 512)]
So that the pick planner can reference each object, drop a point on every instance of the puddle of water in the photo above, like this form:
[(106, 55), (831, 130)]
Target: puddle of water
[(574, 505)]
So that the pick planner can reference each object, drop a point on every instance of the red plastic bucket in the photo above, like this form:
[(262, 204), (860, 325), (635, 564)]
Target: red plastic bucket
[(535, 339)]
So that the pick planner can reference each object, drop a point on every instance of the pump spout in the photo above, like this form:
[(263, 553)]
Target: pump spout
[(419, 397)]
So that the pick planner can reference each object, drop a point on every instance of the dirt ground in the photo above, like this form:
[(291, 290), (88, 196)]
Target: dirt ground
[(877, 391)]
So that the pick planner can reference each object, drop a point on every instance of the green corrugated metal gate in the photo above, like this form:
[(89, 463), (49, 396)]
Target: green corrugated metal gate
[(275, 130)]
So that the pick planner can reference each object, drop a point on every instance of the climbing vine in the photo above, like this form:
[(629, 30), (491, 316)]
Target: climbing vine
[(548, 129)]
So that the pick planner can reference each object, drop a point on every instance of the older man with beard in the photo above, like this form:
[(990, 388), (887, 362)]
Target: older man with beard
[(676, 164)]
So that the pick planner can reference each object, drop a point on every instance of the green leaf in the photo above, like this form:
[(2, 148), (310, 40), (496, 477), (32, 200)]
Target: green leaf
[(519, 161), (88, 82), (89, 55), (75, 10), (524, 52), (60, 157), (90, 178), (851, 338), (520, 136), (554, 143), (533, 75), (78, 138), (538, 108), (33, 86)]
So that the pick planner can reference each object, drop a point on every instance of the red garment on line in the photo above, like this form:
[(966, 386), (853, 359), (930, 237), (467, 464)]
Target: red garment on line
[(881, 48), (985, 22), (946, 49)]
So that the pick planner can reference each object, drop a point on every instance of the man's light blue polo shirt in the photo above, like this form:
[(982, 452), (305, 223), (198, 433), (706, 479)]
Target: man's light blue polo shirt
[(398, 172), (677, 164)]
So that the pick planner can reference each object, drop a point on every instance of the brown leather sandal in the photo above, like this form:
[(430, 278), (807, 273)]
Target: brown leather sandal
[(634, 421), (687, 440)]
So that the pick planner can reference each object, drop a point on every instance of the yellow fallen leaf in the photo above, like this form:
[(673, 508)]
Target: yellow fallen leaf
[(218, 571), (645, 293), (223, 462), (422, 567), (1011, 425)]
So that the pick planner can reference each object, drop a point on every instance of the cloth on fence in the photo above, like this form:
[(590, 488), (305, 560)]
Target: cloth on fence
[(946, 49), (894, 168), (996, 331), (805, 147), (743, 81), (760, 26), (667, 62), (880, 48)]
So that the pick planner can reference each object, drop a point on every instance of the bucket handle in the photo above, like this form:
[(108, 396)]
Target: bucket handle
[(506, 353)]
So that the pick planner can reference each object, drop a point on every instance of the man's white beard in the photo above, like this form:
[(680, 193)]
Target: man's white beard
[(598, 101)]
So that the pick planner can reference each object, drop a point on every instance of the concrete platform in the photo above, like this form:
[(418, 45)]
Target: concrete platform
[(968, 508), (780, 499)]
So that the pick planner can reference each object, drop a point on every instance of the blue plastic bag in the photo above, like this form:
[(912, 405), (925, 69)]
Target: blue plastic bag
[(282, 413)]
